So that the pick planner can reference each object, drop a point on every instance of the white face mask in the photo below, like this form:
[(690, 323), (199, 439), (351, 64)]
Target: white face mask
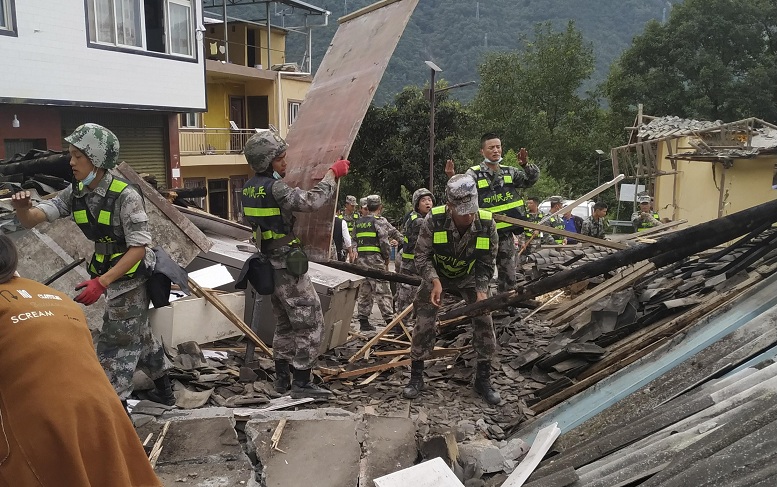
[(90, 177), (276, 175)]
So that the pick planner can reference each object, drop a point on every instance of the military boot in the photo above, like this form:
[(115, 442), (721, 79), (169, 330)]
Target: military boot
[(483, 383), (416, 384), (365, 325), (163, 394), (302, 387), (282, 380)]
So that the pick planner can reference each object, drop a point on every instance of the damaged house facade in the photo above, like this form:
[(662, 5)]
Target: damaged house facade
[(700, 170), (134, 70)]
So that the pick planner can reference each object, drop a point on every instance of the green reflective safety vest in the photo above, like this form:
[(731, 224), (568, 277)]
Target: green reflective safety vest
[(446, 261), (408, 249), (558, 223), (366, 235), (109, 246), (262, 211), (534, 219), (644, 225), (504, 200)]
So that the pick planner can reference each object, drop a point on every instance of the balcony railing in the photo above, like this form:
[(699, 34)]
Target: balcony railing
[(207, 141)]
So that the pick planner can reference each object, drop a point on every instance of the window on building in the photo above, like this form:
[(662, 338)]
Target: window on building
[(293, 110), (163, 26), (218, 197), (7, 17), (190, 120)]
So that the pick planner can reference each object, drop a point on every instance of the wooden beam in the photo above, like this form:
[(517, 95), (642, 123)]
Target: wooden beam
[(373, 273), (367, 370), (557, 231)]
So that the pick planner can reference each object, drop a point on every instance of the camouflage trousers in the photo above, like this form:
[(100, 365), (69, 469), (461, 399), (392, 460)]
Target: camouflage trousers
[(505, 263), (406, 292), (424, 332), (299, 320), (125, 342), (372, 289)]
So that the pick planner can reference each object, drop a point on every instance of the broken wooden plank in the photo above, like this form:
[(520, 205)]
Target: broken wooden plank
[(276, 436), (557, 231), (379, 336), (345, 83), (231, 316), (367, 370), (377, 374)]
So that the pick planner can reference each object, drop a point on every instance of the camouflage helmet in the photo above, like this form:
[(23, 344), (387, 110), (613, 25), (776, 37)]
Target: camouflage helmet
[(97, 143), (420, 193), (462, 193), (262, 148)]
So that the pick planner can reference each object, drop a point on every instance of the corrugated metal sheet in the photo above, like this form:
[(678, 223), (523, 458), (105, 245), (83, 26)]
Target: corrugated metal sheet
[(334, 108), (141, 136)]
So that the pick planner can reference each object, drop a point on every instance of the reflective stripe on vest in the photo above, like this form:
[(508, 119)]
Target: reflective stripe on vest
[(262, 211), (367, 235)]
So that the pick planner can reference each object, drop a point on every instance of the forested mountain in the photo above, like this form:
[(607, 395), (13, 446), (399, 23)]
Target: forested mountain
[(456, 33)]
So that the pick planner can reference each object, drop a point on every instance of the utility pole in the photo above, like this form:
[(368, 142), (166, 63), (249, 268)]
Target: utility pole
[(435, 69)]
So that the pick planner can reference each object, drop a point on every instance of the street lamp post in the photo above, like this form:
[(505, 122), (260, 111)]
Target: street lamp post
[(599, 164), (435, 69)]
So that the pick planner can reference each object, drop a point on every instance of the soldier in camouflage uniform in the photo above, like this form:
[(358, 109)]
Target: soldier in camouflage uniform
[(596, 224), (555, 222), (269, 205), (110, 212), (423, 200), (645, 218), (498, 188), (372, 234), (455, 252)]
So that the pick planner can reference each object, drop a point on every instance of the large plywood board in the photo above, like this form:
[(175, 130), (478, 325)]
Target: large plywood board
[(334, 108)]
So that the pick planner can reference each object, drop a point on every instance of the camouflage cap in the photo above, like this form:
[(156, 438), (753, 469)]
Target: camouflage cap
[(556, 200), (363, 202), (373, 200), (643, 199), (462, 192), (350, 200), (262, 148), (420, 193), (97, 143)]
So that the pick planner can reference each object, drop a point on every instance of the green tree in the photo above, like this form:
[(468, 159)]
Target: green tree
[(391, 151), (532, 99), (713, 60)]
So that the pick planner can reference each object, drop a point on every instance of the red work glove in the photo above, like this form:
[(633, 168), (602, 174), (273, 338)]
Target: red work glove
[(92, 290), (340, 168), (523, 155)]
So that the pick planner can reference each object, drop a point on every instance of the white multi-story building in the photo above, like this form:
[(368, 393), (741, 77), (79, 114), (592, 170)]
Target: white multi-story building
[(131, 65)]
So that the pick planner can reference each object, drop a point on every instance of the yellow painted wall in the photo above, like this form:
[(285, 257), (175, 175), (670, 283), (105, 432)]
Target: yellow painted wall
[(748, 183)]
